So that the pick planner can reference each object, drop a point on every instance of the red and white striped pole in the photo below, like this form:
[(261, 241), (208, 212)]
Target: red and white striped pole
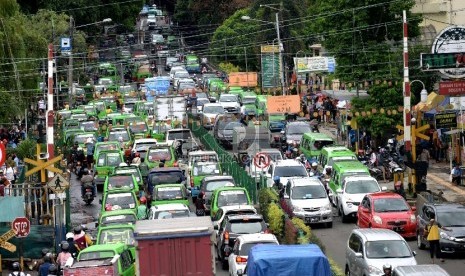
[(407, 104), (50, 113)]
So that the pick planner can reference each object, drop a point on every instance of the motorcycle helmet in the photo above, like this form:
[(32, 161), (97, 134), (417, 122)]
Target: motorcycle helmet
[(276, 178), (85, 171), (314, 164), (387, 267), (143, 200), (45, 251), (52, 269), (77, 230), (47, 259), (15, 266), (69, 235), (137, 154), (391, 141), (64, 246)]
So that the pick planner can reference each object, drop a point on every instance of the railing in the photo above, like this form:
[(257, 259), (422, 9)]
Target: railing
[(227, 160)]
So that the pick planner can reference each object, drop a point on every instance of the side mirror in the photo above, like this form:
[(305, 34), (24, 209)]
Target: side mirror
[(240, 272), (286, 196), (414, 209), (339, 191), (384, 188), (358, 255)]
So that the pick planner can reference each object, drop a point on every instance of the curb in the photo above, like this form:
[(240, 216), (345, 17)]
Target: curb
[(444, 183)]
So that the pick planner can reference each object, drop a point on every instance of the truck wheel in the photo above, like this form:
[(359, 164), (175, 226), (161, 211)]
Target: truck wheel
[(224, 265), (345, 218), (420, 243), (329, 224)]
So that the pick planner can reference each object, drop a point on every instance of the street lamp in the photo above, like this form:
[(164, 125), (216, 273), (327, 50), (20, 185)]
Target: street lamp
[(281, 48), (72, 27)]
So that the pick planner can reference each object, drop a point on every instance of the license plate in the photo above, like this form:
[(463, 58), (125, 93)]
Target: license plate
[(312, 219), (398, 229)]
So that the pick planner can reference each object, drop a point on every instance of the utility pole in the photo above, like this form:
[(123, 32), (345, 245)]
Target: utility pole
[(50, 114), (407, 104), (70, 62), (280, 45)]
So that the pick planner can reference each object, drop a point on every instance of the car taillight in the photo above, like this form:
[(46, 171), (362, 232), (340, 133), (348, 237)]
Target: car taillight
[(240, 259), (276, 138), (175, 164), (226, 237), (192, 182)]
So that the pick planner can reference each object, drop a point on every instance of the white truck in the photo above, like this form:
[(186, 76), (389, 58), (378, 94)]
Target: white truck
[(169, 108)]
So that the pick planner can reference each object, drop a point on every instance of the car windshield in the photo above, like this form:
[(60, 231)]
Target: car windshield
[(88, 126), (362, 187), (112, 236), (290, 171), (114, 135), (138, 127), (172, 214), (97, 255), (387, 249), (159, 154), (452, 218), (132, 171), (109, 159), (181, 75), (298, 129), (347, 174), (106, 147), (82, 138), (120, 201), (206, 169), (186, 85), (169, 193), (227, 198), (232, 125), (228, 98), (119, 219), (202, 95), (225, 122), (383, 205), (204, 158), (249, 100), (179, 134), (120, 182), (308, 192), (213, 109), (246, 227), (174, 177), (333, 160), (216, 184), (245, 248)]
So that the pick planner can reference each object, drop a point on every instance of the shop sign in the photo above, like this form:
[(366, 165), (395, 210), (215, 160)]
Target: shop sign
[(446, 120)]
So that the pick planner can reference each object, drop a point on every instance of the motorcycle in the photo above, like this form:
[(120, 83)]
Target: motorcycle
[(88, 195)]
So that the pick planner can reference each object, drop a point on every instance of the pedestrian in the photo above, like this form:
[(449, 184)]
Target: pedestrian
[(431, 233), (73, 249), (456, 174), (5, 185), (45, 252), (200, 206), (43, 268), (142, 209), (81, 239), (64, 256), (17, 270)]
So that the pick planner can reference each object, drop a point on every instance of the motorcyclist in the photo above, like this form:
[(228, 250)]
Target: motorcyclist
[(136, 159), (52, 270), (64, 256), (387, 270), (17, 270), (314, 169), (81, 239), (85, 179), (43, 269), (142, 209), (399, 189)]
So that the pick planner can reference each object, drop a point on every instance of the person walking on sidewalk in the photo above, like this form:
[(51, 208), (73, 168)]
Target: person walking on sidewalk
[(456, 174), (432, 236)]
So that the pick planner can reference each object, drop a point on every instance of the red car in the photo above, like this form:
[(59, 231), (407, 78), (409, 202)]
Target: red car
[(388, 211)]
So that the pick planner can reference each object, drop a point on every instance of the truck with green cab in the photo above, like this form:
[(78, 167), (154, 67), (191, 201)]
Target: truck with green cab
[(261, 104), (120, 182), (134, 170), (114, 259), (332, 154), (105, 162), (170, 193), (117, 233), (119, 200), (312, 143), (341, 170), (199, 171), (117, 217), (162, 152), (228, 196)]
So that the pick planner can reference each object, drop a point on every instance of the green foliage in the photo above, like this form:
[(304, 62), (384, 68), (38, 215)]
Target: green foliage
[(335, 269), (304, 233), (26, 149), (228, 67), (275, 217), (265, 197)]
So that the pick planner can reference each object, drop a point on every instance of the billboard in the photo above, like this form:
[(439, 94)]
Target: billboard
[(243, 79), (315, 64), (283, 104), (271, 67), (452, 88)]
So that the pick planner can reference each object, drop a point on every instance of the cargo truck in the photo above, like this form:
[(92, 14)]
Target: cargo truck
[(177, 246)]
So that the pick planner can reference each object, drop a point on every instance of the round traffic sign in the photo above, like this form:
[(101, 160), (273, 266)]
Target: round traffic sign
[(261, 160), (21, 226), (2, 154)]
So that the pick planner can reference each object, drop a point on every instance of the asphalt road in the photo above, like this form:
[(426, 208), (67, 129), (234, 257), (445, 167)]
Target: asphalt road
[(335, 241)]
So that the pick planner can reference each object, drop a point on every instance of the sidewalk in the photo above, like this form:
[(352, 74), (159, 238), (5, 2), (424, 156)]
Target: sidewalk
[(438, 177)]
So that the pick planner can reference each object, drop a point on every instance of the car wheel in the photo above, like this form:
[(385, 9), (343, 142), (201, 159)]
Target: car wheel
[(329, 224), (347, 271), (224, 265), (345, 218), (420, 243)]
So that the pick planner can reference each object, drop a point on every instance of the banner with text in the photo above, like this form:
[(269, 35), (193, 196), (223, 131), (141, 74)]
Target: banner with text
[(446, 120), (270, 66), (315, 64), (243, 79), (283, 104), (451, 88)]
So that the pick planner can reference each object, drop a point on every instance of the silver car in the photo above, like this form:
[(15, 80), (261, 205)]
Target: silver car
[(369, 249)]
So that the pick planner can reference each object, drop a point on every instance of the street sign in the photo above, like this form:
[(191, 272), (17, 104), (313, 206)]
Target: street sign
[(430, 62), (261, 160), (58, 184), (270, 70), (4, 240), (42, 165), (446, 120), (65, 44), (452, 88), (21, 226), (2, 154), (417, 133)]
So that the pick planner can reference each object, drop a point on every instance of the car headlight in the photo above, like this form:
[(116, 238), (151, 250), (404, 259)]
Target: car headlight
[(377, 220), (326, 208), (374, 270), (445, 236), (297, 209), (413, 219)]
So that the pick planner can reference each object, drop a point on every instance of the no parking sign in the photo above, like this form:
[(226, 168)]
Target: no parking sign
[(261, 160)]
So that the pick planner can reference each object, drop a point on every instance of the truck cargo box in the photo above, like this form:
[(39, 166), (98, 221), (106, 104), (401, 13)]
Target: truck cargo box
[(91, 268), (283, 260), (178, 246)]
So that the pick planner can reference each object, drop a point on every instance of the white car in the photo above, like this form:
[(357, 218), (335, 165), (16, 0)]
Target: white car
[(274, 154), (238, 258), (179, 75), (178, 134), (307, 199), (231, 210), (141, 145), (151, 18), (209, 113), (168, 211), (354, 189), (284, 169), (230, 102)]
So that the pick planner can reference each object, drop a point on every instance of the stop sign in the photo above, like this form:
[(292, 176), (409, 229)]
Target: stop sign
[(21, 226)]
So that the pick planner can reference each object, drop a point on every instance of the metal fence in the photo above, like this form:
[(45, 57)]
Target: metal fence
[(227, 160)]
